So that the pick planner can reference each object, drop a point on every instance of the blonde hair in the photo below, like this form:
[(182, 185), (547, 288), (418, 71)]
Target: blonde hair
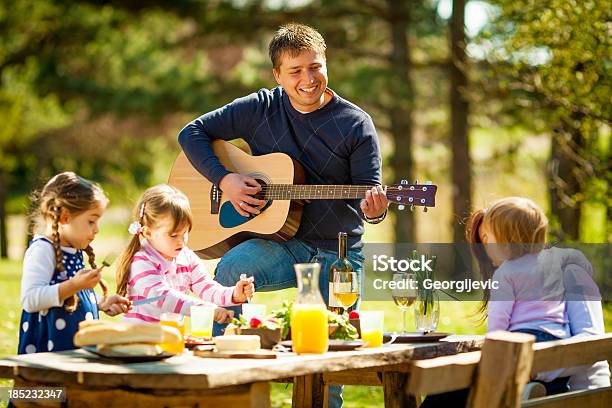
[(519, 227), (156, 203), (518, 224), (68, 192)]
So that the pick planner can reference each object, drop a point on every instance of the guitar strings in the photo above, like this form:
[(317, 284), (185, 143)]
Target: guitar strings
[(335, 186), (392, 197), (395, 194), (278, 188)]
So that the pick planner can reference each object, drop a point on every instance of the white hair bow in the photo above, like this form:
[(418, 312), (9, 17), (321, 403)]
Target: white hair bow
[(136, 227)]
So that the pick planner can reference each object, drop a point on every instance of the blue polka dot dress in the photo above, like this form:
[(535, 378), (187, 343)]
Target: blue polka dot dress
[(54, 328)]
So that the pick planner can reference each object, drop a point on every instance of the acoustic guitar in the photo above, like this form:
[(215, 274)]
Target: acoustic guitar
[(217, 225)]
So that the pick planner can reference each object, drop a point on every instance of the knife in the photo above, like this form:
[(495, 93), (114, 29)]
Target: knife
[(147, 300), (243, 277)]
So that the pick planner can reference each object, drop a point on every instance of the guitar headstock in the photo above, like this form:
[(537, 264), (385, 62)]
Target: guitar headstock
[(403, 194)]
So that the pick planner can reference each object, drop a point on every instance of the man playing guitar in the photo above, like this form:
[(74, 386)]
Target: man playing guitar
[(334, 141)]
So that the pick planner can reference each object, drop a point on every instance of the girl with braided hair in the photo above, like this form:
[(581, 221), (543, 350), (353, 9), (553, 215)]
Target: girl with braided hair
[(56, 289)]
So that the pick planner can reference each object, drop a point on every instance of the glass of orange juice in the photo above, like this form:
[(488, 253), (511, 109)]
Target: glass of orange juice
[(174, 320), (372, 323)]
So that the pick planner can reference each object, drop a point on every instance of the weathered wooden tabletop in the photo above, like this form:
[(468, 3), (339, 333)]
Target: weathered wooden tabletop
[(189, 372)]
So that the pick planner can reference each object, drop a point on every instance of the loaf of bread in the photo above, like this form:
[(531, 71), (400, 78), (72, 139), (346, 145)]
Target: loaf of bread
[(120, 333), (88, 323), (134, 349)]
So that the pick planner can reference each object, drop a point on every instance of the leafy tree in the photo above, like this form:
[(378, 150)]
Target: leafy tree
[(77, 79), (551, 61)]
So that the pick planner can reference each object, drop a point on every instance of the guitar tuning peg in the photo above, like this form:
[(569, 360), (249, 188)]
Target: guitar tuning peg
[(424, 209), (401, 207), (428, 182), (403, 181), (412, 208), (416, 181)]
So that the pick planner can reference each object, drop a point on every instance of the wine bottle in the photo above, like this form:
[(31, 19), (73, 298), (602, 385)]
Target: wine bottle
[(342, 264)]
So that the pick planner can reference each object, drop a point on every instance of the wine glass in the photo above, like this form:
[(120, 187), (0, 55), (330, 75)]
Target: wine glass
[(404, 293), (346, 288)]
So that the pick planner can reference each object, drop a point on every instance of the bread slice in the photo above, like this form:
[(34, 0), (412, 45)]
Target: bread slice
[(120, 333)]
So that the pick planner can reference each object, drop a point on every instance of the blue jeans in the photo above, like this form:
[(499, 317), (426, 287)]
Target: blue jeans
[(271, 264)]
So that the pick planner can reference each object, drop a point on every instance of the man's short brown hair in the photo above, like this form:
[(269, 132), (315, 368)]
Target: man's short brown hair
[(295, 38)]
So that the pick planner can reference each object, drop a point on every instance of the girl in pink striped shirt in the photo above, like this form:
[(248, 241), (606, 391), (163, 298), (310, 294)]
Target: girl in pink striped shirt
[(157, 264)]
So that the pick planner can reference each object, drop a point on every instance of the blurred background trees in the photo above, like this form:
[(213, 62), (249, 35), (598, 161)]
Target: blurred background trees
[(520, 107), (555, 63)]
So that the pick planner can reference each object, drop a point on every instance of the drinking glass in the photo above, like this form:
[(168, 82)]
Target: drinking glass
[(372, 324), (427, 311), (251, 310), (174, 320), (404, 293), (202, 317), (346, 288)]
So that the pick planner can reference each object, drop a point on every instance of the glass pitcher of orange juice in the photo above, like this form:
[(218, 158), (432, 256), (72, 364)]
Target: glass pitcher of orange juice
[(309, 333), (174, 320)]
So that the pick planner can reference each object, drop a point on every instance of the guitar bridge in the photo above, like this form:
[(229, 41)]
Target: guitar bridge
[(215, 199)]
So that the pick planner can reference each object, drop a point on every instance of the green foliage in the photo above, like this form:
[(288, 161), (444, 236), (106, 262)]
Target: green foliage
[(345, 330), (21, 109), (284, 314), (550, 63), (87, 87)]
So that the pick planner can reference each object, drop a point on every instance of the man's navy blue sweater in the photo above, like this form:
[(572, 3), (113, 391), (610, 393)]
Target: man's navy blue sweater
[(336, 144)]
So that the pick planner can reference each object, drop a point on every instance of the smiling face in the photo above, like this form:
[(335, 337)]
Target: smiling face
[(304, 78), (165, 239), (79, 230)]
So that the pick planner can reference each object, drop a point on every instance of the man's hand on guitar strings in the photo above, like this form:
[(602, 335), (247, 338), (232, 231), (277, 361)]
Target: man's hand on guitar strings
[(375, 202), (239, 189)]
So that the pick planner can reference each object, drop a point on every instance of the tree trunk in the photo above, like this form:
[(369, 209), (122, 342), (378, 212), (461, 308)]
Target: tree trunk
[(608, 228), (3, 229), (565, 186), (400, 114), (461, 164)]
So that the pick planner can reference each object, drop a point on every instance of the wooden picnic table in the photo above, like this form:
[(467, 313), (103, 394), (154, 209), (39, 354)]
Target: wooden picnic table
[(187, 380)]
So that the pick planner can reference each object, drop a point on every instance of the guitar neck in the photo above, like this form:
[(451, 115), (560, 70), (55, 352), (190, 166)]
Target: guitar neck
[(312, 192)]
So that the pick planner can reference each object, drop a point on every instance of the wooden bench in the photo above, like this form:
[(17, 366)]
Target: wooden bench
[(497, 374)]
